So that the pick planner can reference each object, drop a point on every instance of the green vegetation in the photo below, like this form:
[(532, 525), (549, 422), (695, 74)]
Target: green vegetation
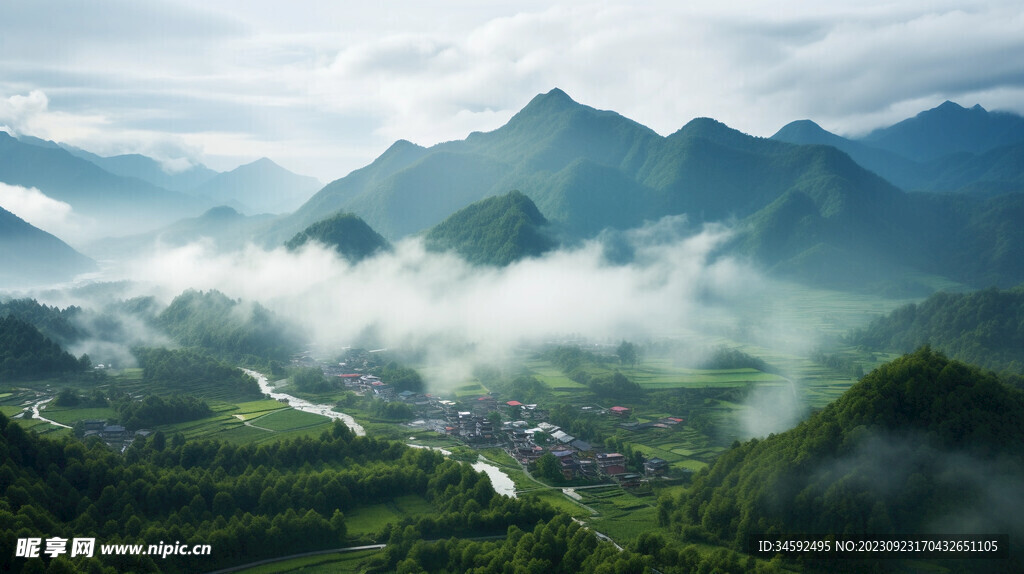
[(26, 353), (58, 325), (494, 231), (272, 499), (226, 327), (346, 233), (335, 563), (985, 328), (309, 380), (894, 454), (806, 211), (195, 372), (400, 377), (154, 411)]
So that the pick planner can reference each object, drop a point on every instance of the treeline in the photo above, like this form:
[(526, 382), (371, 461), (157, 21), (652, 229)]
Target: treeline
[(985, 328), (58, 325), (25, 353), (194, 371), (248, 502), (154, 410), (400, 377), (228, 328), (347, 233), (497, 231), (575, 363), (559, 545), (726, 358), (918, 442)]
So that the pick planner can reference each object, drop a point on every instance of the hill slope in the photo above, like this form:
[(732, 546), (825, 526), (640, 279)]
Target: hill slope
[(920, 445), (259, 187), (147, 169), (494, 231), (29, 255), (984, 327), (806, 211), (120, 205), (948, 148), (349, 235), (949, 129)]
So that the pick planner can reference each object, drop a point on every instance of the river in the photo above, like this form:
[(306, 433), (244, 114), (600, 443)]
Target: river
[(306, 406), (499, 480), (38, 406)]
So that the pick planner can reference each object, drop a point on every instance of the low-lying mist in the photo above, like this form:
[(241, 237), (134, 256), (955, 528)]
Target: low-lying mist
[(672, 286), (666, 280)]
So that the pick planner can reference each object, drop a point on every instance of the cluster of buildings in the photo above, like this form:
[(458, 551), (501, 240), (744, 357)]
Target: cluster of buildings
[(472, 422), (116, 436), (577, 459)]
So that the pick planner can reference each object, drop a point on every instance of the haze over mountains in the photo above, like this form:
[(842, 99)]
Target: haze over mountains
[(805, 204)]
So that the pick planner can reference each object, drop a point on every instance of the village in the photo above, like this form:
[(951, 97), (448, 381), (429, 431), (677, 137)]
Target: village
[(522, 430)]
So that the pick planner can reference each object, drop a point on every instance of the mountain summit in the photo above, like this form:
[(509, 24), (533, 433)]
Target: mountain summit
[(494, 231), (259, 187), (949, 129)]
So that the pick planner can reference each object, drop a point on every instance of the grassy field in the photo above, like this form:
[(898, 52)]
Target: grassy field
[(371, 519), (342, 563), (289, 419)]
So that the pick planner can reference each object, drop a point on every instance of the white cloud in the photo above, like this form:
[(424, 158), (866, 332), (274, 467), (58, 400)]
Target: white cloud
[(331, 85), (42, 211), (412, 298)]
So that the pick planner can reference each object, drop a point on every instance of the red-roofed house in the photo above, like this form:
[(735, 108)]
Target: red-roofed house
[(619, 411), (514, 404)]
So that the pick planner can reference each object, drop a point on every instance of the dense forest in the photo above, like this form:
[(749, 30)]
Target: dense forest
[(346, 233), (26, 353), (247, 502), (985, 328), (227, 327), (922, 444), (194, 371), (59, 325), (494, 231)]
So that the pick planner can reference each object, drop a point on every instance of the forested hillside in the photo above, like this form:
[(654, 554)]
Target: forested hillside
[(494, 231), (219, 324), (346, 233), (809, 212), (985, 328), (246, 502), (920, 445), (26, 353)]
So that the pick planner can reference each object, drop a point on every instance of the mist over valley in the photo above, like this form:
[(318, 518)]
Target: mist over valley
[(546, 338)]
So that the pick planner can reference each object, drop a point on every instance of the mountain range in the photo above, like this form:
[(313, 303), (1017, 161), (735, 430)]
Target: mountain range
[(805, 203), (31, 256), (131, 194), (819, 209), (948, 148)]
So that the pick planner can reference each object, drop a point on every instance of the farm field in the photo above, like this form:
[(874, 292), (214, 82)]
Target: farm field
[(366, 521), (340, 562)]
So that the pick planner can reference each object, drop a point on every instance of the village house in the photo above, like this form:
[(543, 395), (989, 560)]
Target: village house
[(611, 463), (655, 467)]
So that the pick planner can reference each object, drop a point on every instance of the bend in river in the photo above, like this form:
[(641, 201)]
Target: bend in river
[(306, 406)]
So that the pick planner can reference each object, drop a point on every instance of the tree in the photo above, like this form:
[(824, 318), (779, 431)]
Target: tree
[(549, 468), (628, 354)]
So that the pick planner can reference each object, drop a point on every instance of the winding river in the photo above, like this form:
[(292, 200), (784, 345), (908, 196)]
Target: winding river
[(499, 480), (38, 405), (306, 406)]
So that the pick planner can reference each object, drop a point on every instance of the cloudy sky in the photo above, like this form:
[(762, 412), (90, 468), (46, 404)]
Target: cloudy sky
[(322, 87)]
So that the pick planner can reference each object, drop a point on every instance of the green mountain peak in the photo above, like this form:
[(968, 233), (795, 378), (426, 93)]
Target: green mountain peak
[(347, 233), (497, 230)]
